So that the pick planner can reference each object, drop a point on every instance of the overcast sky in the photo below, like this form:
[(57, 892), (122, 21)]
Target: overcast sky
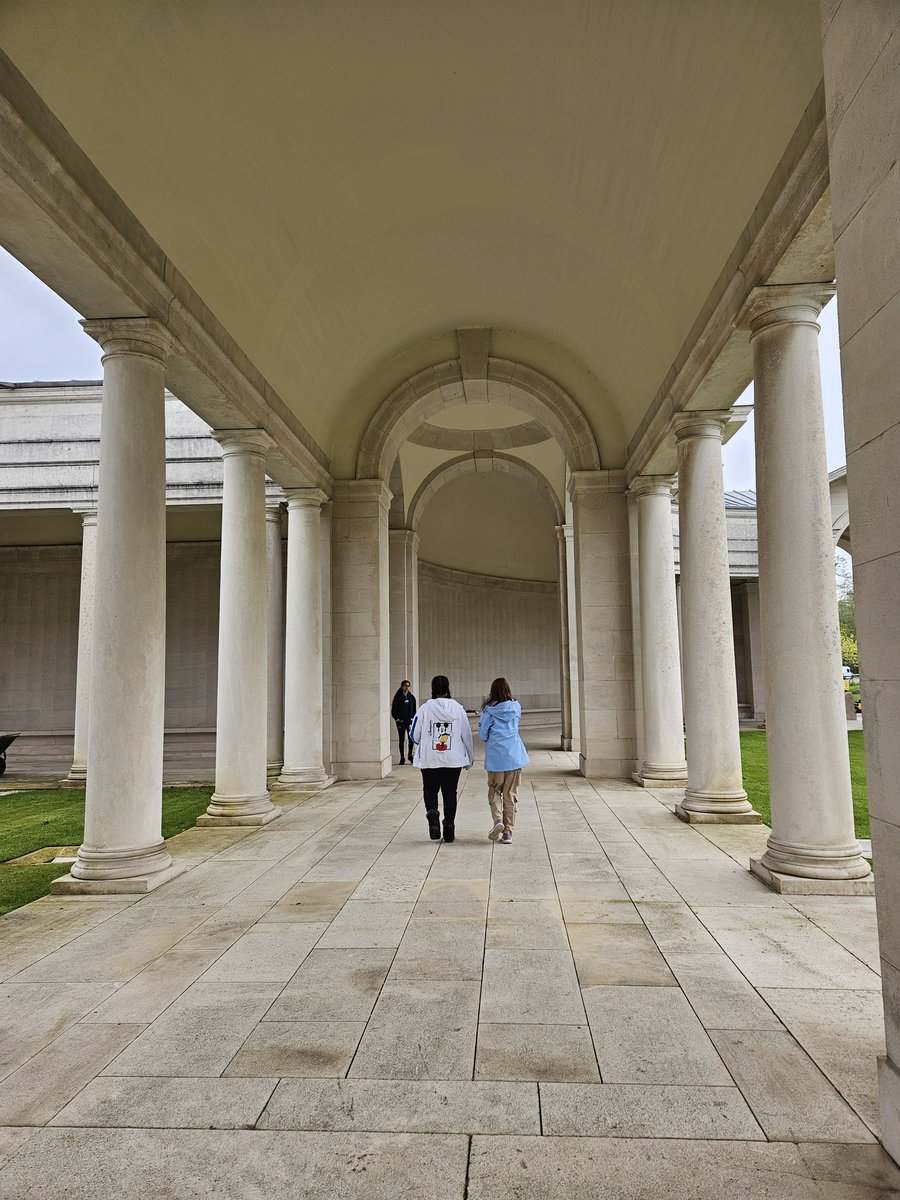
[(40, 339)]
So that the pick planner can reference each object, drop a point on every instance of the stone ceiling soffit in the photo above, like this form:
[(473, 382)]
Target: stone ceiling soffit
[(64, 222), (481, 463), (714, 364)]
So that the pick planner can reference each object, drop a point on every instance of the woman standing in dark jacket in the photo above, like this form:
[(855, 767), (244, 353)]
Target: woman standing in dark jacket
[(403, 709)]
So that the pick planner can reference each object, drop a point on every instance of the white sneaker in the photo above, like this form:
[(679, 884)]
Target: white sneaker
[(496, 831)]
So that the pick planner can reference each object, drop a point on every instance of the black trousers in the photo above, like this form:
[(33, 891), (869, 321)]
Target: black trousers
[(443, 780), (403, 728)]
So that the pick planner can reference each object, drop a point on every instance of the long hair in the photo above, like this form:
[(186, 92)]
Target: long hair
[(440, 687), (500, 691)]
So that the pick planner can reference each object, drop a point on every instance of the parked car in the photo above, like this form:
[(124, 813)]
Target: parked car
[(848, 672)]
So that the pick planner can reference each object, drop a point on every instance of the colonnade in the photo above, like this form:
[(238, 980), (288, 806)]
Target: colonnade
[(272, 702)]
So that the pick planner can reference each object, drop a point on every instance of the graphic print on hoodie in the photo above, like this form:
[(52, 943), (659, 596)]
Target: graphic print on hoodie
[(441, 734)]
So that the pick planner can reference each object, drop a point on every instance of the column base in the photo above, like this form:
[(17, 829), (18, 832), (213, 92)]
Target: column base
[(804, 885), (650, 776), (373, 769), (836, 864), (731, 810), (273, 770), (302, 779), (565, 743), (135, 885), (119, 869), (224, 811), (76, 778)]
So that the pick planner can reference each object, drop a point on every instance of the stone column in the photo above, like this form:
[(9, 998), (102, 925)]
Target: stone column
[(327, 668), (303, 767), (565, 650), (78, 771), (663, 725), (715, 789), (241, 796), (361, 629), (123, 848), (404, 605), (603, 613), (574, 678), (806, 728), (275, 643)]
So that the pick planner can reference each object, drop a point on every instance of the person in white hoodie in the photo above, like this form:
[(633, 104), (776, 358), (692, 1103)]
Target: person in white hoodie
[(443, 746)]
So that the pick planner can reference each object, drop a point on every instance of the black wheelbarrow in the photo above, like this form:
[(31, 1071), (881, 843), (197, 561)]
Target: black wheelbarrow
[(6, 740)]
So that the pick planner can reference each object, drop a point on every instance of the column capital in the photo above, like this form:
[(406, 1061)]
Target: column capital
[(360, 490), (88, 514), (143, 336), (706, 423), (583, 482), (408, 537), (652, 485), (243, 441), (274, 509), (783, 304), (304, 498)]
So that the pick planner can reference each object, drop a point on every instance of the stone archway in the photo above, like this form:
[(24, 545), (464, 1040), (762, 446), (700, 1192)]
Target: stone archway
[(471, 464), (418, 397)]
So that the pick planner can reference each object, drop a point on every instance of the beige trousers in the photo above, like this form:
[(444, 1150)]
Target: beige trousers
[(503, 792)]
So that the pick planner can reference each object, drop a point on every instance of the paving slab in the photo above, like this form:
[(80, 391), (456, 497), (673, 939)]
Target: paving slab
[(34, 1014), (37, 1091), (123, 1102), (561, 1053), (420, 1029), (779, 947), (617, 954), (334, 985), (310, 902), (267, 954), (628, 1110), (441, 949), (789, 1095), (539, 987), (397, 1106), (149, 994), (843, 1033), (362, 923), (199, 1033), (584, 1168), (305, 1048), (12, 1140), (650, 1035), (146, 1164), (453, 898)]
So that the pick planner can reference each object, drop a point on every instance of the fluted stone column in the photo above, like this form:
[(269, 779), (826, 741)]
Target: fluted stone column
[(812, 837), (663, 762), (303, 766), (78, 771), (715, 789), (123, 848), (242, 796), (404, 604), (275, 643), (565, 651)]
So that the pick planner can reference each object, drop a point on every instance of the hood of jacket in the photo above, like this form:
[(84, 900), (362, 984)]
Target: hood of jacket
[(506, 710)]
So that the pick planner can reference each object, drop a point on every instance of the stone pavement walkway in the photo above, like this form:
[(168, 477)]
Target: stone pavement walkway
[(335, 1006)]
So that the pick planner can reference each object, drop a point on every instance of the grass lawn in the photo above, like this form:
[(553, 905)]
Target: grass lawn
[(30, 821), (756, 776)]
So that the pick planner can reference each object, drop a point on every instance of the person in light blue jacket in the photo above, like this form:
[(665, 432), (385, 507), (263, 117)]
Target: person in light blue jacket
[(504, 757)]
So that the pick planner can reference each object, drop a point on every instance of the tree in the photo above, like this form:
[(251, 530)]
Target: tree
[(846, 612)]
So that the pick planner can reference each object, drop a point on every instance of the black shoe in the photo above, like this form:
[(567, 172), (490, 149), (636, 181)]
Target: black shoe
[(434, 826), (402, 762), (449, 832)]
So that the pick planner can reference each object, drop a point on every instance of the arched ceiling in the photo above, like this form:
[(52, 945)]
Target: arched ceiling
[(346, 184), (491, 524)]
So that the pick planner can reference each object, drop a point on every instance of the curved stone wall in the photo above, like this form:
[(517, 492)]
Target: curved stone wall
[(475, 627)]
